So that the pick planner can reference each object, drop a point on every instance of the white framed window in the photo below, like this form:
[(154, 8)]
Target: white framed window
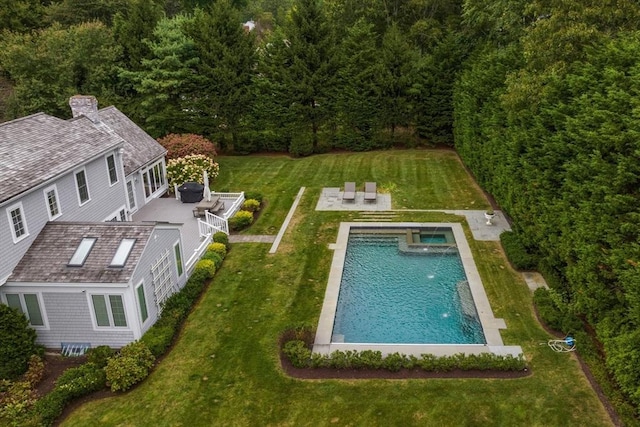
[(82, 186), (177, 251), (30, 305), (153, 179), (17, 222), (131, 195), (119, 215), (142, 302), (108, 311), (111, 168), (162, 279), (51, 200)]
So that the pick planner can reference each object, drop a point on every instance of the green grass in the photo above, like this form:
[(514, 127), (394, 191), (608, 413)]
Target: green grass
[(224, 369)]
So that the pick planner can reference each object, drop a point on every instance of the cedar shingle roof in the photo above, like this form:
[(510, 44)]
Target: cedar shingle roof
[(47, 258), (140, 149), (37, 148)]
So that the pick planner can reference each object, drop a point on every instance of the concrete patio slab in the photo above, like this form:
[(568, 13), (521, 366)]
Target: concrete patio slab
[(331, 200)]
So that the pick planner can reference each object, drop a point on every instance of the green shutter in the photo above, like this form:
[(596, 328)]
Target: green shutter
[(176, 248), (13, 301), (117, 310), (143, 303), (100, 309), (33, 309)]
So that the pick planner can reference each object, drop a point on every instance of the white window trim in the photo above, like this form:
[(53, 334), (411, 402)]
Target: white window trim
[(161, 188), (43, 312), (116, 214), (133, 208), (92, 311), (53, 188), (115, 165), (141, 285), (10, 209), (86, 179), (178, 242)]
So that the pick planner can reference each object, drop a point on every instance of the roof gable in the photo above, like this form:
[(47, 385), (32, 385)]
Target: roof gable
[(48, 258), (140, 148), (37, 148)]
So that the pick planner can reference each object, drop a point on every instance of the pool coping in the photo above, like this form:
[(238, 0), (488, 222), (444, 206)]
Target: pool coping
[(490, 324)]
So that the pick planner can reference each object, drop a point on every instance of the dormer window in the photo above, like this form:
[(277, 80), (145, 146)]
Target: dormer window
[(82, 252), (122, 253)]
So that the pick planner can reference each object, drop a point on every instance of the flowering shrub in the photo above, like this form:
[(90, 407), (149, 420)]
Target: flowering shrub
[(191, 168), (186, 144)]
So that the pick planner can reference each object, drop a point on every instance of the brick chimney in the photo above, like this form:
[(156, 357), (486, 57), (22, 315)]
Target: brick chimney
[(85, 105)]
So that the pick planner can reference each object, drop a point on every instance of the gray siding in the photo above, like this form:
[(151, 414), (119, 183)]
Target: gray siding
[(163, 239), (104, 200), (69, 319)]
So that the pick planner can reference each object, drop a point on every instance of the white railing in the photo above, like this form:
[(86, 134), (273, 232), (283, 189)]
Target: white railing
[(214, 222), (238, 201), (197, 253)]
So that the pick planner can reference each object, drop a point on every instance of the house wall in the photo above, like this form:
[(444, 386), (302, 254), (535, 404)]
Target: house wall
[(104, 200), (163, 239), (68, 316)]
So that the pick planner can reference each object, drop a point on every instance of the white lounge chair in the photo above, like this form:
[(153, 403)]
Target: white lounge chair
[(370, 192), (349, 191)]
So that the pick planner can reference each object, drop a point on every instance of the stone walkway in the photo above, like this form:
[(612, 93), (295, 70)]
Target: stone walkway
[(256, 238)]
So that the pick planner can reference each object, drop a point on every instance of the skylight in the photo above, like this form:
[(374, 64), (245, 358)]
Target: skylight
[(82, 252), (122, 253)]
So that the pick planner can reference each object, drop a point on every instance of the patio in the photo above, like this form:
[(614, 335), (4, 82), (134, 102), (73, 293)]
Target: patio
[(331, 200)]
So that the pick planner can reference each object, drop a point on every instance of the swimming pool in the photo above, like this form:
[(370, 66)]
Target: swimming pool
[(433, 301), (389, 294)]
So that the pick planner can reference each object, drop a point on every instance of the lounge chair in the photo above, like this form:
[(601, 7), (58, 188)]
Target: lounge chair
[(349, 191), (370, 192)]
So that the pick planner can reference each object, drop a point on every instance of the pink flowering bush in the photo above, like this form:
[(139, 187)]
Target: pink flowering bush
[(186, 144)]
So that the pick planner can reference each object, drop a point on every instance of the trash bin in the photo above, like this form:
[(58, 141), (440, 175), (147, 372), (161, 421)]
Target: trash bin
[(191, 192)]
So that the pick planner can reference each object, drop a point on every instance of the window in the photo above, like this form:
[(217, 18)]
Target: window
[(29, 305), (109, 310), (153, 179), (178, 252), (51, 199), (122, 253), (162, 280), (142, 301), (17, 221), (111, 167), (83, 188), (82, 252), (119, 215), (131, 195)]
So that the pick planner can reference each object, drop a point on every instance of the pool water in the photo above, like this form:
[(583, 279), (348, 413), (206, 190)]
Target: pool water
[(433, 238), (389, 296)]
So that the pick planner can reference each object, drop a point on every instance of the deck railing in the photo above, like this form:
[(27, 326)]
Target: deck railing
[(198, 252)]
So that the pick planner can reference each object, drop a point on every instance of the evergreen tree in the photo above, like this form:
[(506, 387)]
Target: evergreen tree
[(396, 80), (167, 82), (358, 97), (226, 66)]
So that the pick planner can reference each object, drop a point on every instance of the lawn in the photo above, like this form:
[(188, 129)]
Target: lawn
[(224, 369)]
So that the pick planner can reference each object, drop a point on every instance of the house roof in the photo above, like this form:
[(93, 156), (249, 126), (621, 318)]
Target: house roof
[(140, 149), (47, 259), (36, 148)]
